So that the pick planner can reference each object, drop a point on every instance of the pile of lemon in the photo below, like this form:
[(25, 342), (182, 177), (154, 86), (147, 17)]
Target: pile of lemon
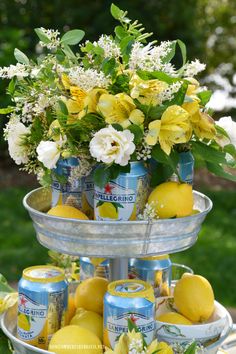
[(84, 330)]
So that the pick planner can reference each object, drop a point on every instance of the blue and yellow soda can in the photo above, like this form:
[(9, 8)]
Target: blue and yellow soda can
[(66, 187), (155, 270), (88, 196), (128, 299), (123, 198), (42, 305), (93, 267)]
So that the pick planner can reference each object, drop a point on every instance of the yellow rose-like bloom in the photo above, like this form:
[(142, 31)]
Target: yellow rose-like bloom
[(203, 126), (146, 91), (173, 128), (119, 109), (75, 104)]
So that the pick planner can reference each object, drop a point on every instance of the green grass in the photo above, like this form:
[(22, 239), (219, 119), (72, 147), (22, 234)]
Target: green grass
[(213, 256)]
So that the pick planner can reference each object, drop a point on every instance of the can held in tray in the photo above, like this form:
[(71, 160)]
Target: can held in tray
[(88, 196), (123, 198), (128, 300), (154, 270), (94, 267), (66, 188), (42, 305)]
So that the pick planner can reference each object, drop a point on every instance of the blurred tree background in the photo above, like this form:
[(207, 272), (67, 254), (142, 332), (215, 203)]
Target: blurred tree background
[(208, 28)]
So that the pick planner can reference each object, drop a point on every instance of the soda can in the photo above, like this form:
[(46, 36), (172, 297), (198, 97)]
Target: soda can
[(88, 196), (66, 187), (123, 198), (128, 300), (186, 167), (94, 267), (42, 305), (156, 271)]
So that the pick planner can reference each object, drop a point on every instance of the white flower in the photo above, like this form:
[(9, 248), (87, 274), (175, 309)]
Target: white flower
[(109, 145), (49, 153), (15, 134), (19, 70), (53, 37), (230, 127), (109, 46), (193, 68), (88, 79)]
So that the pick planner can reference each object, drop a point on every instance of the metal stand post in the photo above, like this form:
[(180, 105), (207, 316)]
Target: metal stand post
[(118, 268)]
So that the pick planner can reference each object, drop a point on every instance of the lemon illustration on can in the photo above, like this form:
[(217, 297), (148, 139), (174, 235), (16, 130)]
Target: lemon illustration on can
[(23, 322), (108, 210)]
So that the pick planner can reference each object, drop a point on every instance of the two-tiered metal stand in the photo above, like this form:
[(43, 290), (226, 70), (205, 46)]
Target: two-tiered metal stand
[(117, 241)]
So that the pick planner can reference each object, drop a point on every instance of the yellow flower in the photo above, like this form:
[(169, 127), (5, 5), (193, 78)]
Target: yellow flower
[(191, 107), (119, 109), (173, 128), (146, 91), (203, 126), (122, 347), (65, 81), (160, 347)]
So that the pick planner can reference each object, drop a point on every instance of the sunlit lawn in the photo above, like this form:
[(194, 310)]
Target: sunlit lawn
[(213, 256)]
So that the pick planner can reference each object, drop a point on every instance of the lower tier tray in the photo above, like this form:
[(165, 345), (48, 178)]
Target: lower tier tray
[(8, 324), (111, 239)]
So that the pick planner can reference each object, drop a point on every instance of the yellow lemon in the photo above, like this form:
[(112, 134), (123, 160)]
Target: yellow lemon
[(71, 308), (90, 320), (106, 340), (67, 211), (194, 297), (172, 199), (75, 340), (23, 322), (89, 294), (174, 318), (108, 210)]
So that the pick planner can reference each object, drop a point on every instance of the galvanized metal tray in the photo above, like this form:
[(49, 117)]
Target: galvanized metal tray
[(112, 239), (8, 324)]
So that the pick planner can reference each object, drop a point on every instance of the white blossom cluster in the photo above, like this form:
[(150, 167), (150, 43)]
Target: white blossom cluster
[(53, 37), (136, 347), (193, 68), (150, 58), (145, 152), (88, 79), (82, 170), (149, 212), (19, 70), (168, 93), (111, 49)]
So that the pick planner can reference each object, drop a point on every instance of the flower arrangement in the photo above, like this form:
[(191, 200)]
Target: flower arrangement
[(116, 100)]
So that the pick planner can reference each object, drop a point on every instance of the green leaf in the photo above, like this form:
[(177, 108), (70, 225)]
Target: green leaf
[(160, 174), (118, 127), (68, 52), (63, 107), (99, 203), (147, 75), (4, 287), (21, 57), (72, 37), (42, 36), (116, 12), (191, 349), (183, 50), (204, 97), (120, 32), (230, 149), (6, 110), (171, 160), (12, 86), (126, 46), (137, 131), (219, 171), (108, 66), (208, 153), (5, 345), (101, 176), (171, 53)]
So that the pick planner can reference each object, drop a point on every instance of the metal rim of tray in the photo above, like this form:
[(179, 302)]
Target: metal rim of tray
[(114, 239), (97, 222), (29, 349)]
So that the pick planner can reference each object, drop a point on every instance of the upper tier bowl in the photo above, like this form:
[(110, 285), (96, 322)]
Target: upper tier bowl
[(111, 239)]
